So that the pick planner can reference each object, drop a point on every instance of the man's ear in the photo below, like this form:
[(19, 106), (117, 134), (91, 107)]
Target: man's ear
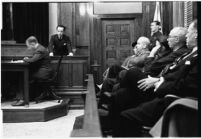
[(177, 39), (144, 46)]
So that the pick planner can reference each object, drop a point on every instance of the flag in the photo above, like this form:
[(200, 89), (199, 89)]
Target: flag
[(157, 14)]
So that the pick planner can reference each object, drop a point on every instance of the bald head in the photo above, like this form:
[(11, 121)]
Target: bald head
[(142, 44), (144, 40)]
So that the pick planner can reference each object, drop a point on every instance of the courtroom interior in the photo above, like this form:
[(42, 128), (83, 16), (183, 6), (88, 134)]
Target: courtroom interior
[(99, 69)]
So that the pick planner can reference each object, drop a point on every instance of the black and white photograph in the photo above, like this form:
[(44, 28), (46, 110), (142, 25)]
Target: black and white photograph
[(99, 68)]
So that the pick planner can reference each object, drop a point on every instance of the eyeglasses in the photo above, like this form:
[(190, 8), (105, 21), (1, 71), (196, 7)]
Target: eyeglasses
[(172, 36)]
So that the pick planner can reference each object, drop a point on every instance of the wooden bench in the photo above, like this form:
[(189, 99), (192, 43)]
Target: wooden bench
[(91, 124)]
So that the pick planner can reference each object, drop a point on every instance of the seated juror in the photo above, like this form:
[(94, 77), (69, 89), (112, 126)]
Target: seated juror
[(60, 44), (39, 68)]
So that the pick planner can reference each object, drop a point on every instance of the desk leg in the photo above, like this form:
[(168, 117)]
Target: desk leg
[(26, 87)]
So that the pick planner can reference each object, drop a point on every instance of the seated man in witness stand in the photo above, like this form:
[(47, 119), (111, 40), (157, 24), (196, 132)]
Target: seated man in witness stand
[(40, 66), (137, 60), (181, 79), (60, 43), (130, 95)]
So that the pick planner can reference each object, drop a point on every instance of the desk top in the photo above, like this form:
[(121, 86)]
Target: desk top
[(76, 57), (10, 62)]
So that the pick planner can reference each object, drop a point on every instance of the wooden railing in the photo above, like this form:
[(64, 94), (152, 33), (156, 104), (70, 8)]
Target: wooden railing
[(91, 124)]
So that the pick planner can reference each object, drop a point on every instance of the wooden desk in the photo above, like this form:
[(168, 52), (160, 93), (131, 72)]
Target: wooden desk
[(8, 66)]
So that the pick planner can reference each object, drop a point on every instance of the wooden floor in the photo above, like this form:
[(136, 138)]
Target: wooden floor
[(59, 128)]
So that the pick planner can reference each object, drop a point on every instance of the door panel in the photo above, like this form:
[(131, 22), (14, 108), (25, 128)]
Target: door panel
[(117, 36)]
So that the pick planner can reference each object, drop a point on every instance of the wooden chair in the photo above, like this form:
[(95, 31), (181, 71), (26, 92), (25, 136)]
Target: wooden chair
[(145, 129), (180, 119), (45, 86)]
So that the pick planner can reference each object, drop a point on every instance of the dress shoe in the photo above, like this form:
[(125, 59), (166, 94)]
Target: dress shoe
[(39, 99), (15, 102), (19, 103)]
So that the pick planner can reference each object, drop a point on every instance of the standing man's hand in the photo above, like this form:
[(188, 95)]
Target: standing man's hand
[(51, 54), (25, 58)]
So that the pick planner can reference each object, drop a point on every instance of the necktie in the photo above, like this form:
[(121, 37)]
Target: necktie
[(166, 69)]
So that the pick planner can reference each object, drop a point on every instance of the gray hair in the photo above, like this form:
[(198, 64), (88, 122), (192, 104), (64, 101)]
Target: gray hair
[(181, 33)]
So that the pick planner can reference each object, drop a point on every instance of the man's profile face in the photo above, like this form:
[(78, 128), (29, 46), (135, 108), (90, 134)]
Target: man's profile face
[(173, 38), (139, 46), (30, 45), (191, 37), (60, 31), (154, 27)]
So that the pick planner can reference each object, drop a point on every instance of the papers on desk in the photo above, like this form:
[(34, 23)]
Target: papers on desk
[(17, 61)]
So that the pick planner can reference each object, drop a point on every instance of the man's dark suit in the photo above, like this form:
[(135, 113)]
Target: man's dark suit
[(181, 80), (154, 66), (60, 46), (153, 39), (40, 67)]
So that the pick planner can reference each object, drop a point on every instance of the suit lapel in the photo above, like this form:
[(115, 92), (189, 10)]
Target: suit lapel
[(183, 60), (179, 61)]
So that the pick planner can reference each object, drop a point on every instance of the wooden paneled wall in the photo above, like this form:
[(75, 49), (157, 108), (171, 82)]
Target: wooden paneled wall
[(65, 12), (77, 23), (167, 12), (147, 18)]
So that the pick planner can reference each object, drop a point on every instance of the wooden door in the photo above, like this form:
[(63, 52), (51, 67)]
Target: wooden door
[(117, 37)]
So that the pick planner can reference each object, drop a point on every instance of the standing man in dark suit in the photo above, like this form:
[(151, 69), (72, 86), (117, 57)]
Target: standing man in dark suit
[(181, 79), (60, 44), (155, 33), (40, 68)]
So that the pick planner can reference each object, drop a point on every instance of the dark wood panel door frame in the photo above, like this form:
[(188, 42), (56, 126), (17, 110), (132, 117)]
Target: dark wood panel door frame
[(117, 37), (96, 52)]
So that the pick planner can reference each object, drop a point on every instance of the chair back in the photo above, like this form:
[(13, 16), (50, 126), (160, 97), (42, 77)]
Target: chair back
[(58, 68)]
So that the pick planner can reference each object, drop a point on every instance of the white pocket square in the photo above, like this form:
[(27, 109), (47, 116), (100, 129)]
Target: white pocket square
[(187, 62)]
